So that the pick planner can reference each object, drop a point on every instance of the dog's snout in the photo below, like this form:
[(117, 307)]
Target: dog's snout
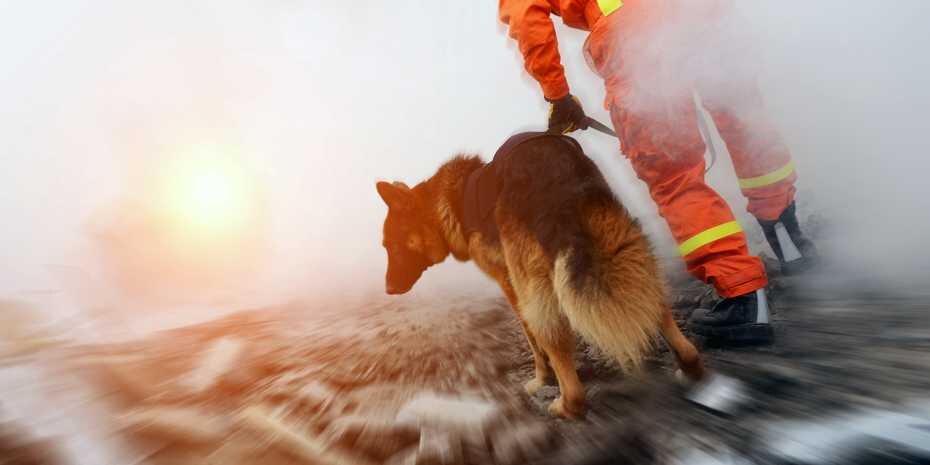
[(395, 289)]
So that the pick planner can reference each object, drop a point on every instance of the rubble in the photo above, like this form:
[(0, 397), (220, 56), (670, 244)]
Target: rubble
[(421, 385), (469, 418), (18, 447), (377, 438), (21, 330), (216, 361), (303, 446), (439, 448), (178, 424), (407, 456), (521, 443), (252, 387)]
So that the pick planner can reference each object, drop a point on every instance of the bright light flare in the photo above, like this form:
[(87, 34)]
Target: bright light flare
[(208, 193), (196, 223), (212, 197)]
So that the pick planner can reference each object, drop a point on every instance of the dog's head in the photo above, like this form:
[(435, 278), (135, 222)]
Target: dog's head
[(412, 239)]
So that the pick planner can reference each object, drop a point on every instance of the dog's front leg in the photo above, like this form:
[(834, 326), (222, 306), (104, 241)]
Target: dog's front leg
[(543, 373)]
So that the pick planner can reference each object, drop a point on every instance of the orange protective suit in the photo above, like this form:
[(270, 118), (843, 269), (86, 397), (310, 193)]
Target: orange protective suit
[(661, 138)]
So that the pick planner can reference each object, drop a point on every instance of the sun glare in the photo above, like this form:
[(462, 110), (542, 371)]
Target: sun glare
[(212, 197), (209, 194)]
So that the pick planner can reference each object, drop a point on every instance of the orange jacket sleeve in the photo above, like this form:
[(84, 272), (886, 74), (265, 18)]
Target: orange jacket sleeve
[(531, 26)]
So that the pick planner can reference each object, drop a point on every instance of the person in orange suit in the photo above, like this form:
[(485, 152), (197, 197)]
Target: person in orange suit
[(659, 133)]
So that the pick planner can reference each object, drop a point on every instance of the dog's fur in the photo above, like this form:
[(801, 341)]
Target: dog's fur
[(568, 257)]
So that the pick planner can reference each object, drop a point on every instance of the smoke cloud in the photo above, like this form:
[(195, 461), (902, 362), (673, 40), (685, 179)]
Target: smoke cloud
[(843, 90)]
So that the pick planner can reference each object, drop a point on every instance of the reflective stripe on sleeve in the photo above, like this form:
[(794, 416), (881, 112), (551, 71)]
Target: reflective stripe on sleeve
[(767, 179), (707, 236), (609, 6)]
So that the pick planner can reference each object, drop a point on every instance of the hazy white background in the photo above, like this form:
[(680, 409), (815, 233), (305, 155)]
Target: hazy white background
[(325, 98)]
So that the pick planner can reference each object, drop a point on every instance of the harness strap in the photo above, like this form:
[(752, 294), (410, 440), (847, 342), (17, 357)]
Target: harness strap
[(482, 185)]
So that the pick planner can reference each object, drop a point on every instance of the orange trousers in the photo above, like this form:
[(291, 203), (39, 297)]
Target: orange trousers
[(658, 129)]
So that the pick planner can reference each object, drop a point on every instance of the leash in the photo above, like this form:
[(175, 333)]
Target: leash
[(599, 126), (592, 123)]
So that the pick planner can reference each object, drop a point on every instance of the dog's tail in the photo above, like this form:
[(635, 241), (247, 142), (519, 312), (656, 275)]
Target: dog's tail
[(610, 287)]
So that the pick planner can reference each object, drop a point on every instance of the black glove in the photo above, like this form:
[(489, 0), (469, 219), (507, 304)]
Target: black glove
[(566, 115)]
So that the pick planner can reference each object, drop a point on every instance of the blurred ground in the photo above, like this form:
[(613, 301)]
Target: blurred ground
[(437, 382)]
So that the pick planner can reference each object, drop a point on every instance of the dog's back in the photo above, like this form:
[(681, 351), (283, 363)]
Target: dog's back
[(546, 184), (576, 250)]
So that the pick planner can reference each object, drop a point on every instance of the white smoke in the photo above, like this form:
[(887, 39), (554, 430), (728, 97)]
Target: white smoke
[(843, 85)]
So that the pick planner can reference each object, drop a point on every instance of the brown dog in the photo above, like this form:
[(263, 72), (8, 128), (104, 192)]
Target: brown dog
[(567, 255)]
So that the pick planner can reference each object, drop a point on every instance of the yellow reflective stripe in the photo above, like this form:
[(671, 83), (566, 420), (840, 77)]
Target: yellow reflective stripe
[(766, 179), (609, 6), (707, 236)]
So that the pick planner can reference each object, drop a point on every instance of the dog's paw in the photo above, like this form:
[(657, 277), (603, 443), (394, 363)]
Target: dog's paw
[(559, 408), (532, 386), (689, 380)]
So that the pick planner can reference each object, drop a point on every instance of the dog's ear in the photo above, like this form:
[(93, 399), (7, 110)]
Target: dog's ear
[(395, 195)]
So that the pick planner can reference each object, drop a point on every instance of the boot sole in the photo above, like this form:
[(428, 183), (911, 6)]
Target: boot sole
[(736, 335)]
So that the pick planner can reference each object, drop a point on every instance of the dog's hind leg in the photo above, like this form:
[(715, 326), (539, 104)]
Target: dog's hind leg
[(555, 337), (542, 372), (530, 273), (560, 346), (689, 360)]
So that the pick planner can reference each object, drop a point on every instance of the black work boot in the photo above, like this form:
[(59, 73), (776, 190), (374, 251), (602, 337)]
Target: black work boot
[(740, 320), (796, 254)]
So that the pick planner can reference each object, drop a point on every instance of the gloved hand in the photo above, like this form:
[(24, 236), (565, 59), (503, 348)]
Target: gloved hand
[(566, 115)]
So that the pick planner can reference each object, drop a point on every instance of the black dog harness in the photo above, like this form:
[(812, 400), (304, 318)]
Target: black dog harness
[(483, 185)]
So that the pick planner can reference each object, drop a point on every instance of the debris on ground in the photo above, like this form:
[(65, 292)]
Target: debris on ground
[(402, 382)]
